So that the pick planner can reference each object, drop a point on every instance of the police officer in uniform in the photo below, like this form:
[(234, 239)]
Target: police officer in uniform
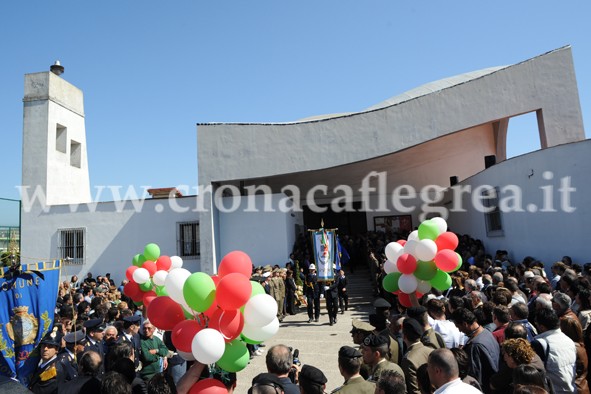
[(45, 378), (68, 355), (95, 329), (130, 334), (312, 292), (349, 366)]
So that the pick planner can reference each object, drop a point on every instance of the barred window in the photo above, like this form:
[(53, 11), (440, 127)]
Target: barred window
[(493, 219), (71, 242), (188, 239)]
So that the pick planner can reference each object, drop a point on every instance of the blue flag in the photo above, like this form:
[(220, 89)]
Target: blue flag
[(27, 307), (342, 254)]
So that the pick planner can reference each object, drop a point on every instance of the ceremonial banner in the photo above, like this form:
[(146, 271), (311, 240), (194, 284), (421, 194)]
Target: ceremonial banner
[(342, 257), (324, 253), (27, 306)]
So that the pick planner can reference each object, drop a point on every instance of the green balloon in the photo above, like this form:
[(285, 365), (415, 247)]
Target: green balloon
[(428, 230), (441, 281), (152, 252), (160, 291), (146, 286), (256, 288), (248, 340), (460, 262), (138, 303), (235, 357), (390, 281), (426, 270), (199, 291), (138, 260)]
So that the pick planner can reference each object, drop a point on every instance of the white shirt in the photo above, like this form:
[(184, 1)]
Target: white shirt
[(457, 387)]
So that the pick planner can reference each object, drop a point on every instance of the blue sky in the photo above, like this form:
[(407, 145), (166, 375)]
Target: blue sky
[(151, 70)]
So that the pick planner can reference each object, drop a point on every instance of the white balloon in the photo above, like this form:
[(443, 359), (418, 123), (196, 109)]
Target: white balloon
[(423, 286), (393, 251), (263, 333), (159, 277), (260, 310), (390, 266), (407, 283), (174, 282), (141, 276), (410, 247), (413, 236), (441, 224), (186, 356), (208, 346), (426, 250), (176, 262)]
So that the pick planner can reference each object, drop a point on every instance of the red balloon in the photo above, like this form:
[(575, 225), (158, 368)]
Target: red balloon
[(183, 333), (133, 291), (401, 241), (150, 266), (208, 386), (149, 297), (228, 323), (233, 291), (163, 263), (406, 264), (446, 260), (216, 279), (404, 300), (129, 272), (165, 313), (235, 262), (212, 309), (447, 240)]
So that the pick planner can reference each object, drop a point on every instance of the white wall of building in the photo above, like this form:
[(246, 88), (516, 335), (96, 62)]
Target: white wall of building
[(562, 219), (267, 237), (115, 232)]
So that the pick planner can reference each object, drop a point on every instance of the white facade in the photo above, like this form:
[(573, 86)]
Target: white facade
[(266, 236), (343, 149), (113, 233), (546, 194)]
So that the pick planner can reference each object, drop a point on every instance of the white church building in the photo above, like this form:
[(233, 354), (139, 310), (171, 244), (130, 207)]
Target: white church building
[(439, 149)]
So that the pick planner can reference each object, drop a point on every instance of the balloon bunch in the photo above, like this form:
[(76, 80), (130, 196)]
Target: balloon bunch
[(211, 318), (147, 274), (421, 262)]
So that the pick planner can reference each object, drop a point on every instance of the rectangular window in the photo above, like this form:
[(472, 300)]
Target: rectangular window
[(493, 219), (70, 247), (61, 138), (75, 154), (188, 239)]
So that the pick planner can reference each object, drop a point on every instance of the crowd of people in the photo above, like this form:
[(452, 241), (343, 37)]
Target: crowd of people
[(501, 327)]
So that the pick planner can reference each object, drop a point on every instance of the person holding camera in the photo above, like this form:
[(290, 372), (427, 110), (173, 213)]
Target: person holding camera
[(279, 362)]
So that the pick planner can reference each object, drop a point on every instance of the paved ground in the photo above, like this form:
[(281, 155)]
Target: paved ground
[(318, 343)]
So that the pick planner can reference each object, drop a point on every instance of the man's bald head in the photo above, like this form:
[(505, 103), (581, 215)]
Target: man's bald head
[(445, 360)]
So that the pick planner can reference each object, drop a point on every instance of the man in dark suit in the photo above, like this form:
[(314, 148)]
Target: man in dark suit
[(87, 381), (45, 378), (130, 334)]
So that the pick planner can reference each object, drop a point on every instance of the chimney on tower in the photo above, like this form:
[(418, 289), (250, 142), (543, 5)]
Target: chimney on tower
[(57, 68)]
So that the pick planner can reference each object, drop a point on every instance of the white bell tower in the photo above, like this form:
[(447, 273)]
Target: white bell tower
[(54, 140)]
